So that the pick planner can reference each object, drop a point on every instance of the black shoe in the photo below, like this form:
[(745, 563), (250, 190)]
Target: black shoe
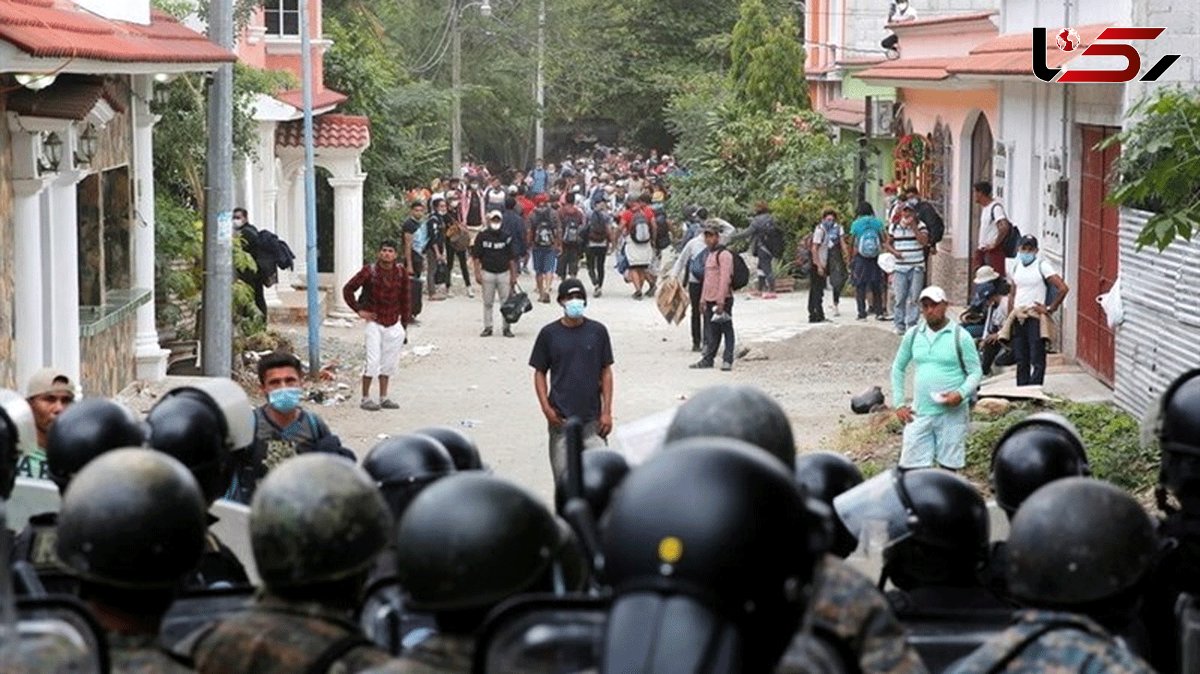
[(696, 348), (508, 333), (650, 289), (637, 295), (701, 365), (487, 332)]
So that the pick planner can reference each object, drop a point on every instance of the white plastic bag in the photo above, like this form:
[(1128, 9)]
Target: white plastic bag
[(1111, 303)]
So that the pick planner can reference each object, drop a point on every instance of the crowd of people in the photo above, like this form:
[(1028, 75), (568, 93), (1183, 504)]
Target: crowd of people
[(413, 559)]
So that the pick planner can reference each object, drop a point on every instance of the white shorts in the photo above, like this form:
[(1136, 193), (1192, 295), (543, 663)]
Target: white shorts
[(939, 439), (383, 349)]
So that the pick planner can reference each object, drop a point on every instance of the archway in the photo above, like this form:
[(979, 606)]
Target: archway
[(325, 230), (982, 147)]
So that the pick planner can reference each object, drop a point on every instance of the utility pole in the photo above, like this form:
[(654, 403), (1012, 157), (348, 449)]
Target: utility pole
[(310, 198), (217, 353), (540, 132), (455, 92)]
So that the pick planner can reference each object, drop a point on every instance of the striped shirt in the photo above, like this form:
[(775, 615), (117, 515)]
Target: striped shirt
[(911, 254)]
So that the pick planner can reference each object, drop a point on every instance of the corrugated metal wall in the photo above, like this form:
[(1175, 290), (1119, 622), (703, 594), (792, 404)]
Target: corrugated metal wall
[(1160, 337)]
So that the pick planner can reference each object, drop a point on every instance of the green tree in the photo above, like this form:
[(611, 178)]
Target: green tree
[(1159, 165), (774, 71), (749, 34)]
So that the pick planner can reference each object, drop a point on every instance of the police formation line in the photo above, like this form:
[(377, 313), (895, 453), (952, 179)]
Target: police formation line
[(724, 552)]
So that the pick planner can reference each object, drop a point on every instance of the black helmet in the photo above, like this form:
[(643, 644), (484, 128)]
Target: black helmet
[(86, 430), (1178, 424), (316, 518), (1077, 541), (603, 471), (1034, 451), (189, 430), (735, 411), (132, 518), (18, 435), (462, 448), (710, 527), (403, 465), (470, 541), (824, 475)]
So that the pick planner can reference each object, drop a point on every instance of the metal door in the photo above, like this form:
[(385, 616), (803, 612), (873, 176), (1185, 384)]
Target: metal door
[(1098, 254)]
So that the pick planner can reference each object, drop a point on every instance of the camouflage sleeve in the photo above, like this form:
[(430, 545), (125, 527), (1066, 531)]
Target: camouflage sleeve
[(847, 605)]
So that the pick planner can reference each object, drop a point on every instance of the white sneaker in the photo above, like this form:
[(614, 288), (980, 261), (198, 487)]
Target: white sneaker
[(835, 311), (471, 292)]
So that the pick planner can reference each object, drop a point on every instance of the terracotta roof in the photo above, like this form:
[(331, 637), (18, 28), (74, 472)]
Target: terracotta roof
[(931, 69), (1011, 53), (943, 19), (70, 97), (329, 131), (325, 98), (60, 29), (846, 112)]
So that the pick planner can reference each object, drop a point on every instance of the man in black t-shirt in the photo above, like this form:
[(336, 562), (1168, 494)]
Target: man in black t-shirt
[(577, 354), (494, 258)]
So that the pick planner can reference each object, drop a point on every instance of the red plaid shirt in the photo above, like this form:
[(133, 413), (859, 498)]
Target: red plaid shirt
[(385, 292)]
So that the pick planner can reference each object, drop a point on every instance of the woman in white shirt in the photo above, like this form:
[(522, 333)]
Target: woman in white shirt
[(1038, 291)]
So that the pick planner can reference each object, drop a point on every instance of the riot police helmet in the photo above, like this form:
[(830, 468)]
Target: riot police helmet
[(316, 518), (603, 471), (470, 541), (86, 430), (825, 475), (403, 465), (1078, 541), (462, 448), (189, 430), (18, 435), (1037, 450), (736, 411), (132, 518), (706, 538), (1179, 418)]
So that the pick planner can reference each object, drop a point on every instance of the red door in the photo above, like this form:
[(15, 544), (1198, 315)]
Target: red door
[(1098, 254)]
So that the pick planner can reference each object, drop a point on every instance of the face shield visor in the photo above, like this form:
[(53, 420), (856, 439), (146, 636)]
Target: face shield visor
[(878, 509)]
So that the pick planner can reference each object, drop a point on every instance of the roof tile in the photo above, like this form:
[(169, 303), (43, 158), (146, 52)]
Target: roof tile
[(329, 131)]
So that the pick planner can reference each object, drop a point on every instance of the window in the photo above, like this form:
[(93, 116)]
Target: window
[(105, 262), (283, 17)]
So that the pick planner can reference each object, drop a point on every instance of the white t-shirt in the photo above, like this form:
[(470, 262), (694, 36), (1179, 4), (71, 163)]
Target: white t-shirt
[(988, 229), (1030, 281)]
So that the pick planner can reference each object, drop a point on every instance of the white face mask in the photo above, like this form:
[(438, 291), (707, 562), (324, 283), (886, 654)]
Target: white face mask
[(494, 225)]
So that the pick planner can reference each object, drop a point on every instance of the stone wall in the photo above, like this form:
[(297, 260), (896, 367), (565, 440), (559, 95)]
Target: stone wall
[(7, 293), (108, 361), (952, 274)]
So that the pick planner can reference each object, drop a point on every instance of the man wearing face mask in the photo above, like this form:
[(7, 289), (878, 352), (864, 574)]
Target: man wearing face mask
[(282, 428), (1038, 292), (576, 353), (495, 259), (248, 238)]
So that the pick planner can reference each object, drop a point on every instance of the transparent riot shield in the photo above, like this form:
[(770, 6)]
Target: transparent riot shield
[(543, 634), (1187, 612), (52, 635)]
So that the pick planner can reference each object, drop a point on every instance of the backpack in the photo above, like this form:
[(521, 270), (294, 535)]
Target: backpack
[(662, 233), (572, 227), (696, 264), (772, 239), (543, 233), (1012, 240), (640, 227), (598, 228), (741, 271), (927, 214), (804, 260), (868, 243)]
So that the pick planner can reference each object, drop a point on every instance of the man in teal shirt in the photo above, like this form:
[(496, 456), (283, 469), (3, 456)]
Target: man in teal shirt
[(948, 373)]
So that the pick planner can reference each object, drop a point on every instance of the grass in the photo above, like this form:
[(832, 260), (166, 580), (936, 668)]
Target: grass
[(1112, 439)]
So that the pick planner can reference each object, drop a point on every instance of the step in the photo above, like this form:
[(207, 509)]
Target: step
[(294, 307)]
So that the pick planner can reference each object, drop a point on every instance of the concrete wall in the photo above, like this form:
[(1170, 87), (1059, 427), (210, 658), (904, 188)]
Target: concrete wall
[(8, 369)]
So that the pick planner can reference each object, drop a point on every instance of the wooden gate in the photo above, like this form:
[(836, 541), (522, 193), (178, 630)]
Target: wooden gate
[(1098, 254)]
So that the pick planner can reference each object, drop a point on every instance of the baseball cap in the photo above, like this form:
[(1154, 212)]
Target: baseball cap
[(44, 381), (934, 293), (712, 226), (495, 215), (571, 286), (1028, 241)]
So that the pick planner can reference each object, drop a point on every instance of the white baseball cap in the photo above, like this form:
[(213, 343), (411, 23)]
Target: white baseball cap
[(495, 215), (934, 293)]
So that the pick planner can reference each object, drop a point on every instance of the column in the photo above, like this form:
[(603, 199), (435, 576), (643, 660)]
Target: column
[(265, 192), (27, 262), (295, 226), (151, 358), (62, 286), (348, 234)]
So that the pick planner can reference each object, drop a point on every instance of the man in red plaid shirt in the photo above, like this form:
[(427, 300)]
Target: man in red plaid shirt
[(384, 305)]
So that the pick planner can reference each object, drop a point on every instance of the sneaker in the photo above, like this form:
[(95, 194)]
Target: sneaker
[(650, 289), (508, 333), (369, 405), (900, 331), (862, 317), (726, 367), (835, 311), (599, 292), (883, 317), (637, 295), (696, 348), (487, 332), (387, 404), (701, 365), (470, 292)]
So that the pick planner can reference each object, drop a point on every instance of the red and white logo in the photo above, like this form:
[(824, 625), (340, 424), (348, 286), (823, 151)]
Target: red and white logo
[(1068, 39)]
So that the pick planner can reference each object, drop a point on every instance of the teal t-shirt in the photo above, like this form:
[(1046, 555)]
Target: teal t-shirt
[(938, 367), (33, 464)]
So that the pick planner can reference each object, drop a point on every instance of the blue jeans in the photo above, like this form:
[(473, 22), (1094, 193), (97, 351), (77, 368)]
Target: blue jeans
[(906, 287), (766, 273), (1030, 350)]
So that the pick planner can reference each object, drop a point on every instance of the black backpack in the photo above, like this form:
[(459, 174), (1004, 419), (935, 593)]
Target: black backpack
[(662, 232), (639, 227), (270, 254), (1012, 240), (572, 227), (927, 214), (741, 271), (543, 233), (773, 239), (598, 228)]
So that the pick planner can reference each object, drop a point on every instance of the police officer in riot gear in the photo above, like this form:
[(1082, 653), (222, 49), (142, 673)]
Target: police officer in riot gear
[(465, 545), (846, 605), (202, 426), (735, 411), (603, 472), (462, 448), (711, 550), (17, 434), (132, 526), (1079, 574), (937, 539), (317, 523), (82, 432), (1174, 426)]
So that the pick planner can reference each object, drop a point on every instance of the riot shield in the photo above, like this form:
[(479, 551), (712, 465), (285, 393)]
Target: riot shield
[(192, 611), (53, 635), (233, 528), (942, 638), (543, 634)]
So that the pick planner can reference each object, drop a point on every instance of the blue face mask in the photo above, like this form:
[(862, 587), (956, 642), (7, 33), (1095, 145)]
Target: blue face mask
[(1026, 258), (574, 308), (284, 399)]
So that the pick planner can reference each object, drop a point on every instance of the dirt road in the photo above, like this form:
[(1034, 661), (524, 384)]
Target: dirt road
[(484, 386)]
